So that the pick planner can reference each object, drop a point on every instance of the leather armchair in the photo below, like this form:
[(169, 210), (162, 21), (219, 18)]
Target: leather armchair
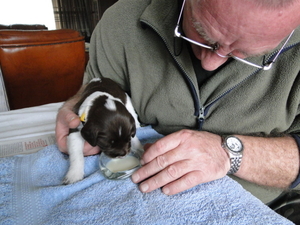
[(41, 66)]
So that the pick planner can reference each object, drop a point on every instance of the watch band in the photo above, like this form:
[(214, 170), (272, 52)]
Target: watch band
[(235, 164)]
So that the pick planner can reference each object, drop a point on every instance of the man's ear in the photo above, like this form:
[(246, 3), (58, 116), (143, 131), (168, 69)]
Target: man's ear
[(89, 134)]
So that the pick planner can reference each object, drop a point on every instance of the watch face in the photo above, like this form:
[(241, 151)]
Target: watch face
[(234, 144)]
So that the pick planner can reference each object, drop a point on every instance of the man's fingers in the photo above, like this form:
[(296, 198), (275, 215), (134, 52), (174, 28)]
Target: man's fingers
[(158, 164), (90, 150), (65, 120), (68, 118), (162, 146), (186, 182), (168, 177)]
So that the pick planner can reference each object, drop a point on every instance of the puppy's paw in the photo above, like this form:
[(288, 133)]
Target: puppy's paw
[(73, 176)]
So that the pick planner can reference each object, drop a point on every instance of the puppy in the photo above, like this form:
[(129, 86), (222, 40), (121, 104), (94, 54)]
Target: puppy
[(108, 121)]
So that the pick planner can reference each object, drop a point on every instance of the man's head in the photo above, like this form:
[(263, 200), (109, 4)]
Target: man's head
[(243, 28)]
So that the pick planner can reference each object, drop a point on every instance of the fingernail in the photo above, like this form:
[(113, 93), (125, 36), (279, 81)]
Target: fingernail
[(144, 187), (142, 162), (166, 191), (135, 177), (72, 118)]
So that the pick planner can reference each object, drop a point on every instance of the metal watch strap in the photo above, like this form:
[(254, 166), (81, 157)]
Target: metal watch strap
[(235, 164)]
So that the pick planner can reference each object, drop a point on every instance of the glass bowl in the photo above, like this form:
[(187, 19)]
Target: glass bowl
[(121, 167)]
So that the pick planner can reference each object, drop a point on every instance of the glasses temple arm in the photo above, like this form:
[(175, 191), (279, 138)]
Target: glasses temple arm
[(280, 50)]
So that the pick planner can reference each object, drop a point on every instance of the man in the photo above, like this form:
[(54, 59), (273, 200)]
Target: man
[(220, 114)]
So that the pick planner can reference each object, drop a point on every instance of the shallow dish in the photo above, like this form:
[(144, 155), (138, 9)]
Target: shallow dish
[(120, 168)]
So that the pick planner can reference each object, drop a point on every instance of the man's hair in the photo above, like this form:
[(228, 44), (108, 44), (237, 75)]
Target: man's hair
[(271, 4)]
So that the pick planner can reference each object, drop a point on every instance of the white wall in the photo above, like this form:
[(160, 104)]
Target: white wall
[(27, 12)]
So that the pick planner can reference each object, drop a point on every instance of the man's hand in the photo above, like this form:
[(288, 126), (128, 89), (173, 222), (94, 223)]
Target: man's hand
[(182, 160), (65, 120), (187, 158)]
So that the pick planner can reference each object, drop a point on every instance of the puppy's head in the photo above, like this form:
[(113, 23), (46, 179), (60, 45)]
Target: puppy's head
[(111, 128)]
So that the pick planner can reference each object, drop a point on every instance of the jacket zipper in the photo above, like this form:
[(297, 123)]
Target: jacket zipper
[(199, 109), (204, 109)]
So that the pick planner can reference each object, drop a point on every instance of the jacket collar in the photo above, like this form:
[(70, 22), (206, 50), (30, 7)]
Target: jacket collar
[(163, 22)]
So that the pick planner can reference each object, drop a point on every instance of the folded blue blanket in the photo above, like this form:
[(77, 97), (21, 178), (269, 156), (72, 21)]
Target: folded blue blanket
[(31, 192)]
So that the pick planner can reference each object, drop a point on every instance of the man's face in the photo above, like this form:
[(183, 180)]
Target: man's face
[(239, 27)]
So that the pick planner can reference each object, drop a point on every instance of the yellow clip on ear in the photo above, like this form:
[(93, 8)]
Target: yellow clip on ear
[(82, 117)]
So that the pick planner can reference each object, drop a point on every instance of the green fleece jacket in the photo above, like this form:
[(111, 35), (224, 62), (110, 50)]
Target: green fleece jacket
[(134, 45)]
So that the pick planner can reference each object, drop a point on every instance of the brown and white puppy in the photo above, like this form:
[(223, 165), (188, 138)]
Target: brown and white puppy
[(108, 121)]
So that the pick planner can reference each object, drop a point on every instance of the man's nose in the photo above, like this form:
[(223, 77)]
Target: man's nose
[(212, 61)]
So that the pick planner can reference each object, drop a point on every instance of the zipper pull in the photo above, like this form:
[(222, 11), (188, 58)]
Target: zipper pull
[(201, 118)]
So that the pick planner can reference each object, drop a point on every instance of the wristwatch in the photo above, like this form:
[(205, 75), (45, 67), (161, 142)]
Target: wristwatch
[(234, 148)]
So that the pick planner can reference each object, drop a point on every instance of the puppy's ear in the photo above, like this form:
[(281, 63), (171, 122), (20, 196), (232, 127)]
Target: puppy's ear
[(89, 134), (133, 131), (133, 128)]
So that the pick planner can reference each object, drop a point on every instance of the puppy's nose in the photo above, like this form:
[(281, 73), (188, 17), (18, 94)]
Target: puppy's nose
[(122, 153)]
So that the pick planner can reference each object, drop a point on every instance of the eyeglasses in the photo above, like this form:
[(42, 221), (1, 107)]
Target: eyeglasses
[(215, 47)]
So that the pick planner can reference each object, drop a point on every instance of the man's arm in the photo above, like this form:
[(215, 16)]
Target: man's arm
[(269, 161), (187, 158)]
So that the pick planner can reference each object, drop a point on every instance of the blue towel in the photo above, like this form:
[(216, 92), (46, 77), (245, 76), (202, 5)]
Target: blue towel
[(31, 192)]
